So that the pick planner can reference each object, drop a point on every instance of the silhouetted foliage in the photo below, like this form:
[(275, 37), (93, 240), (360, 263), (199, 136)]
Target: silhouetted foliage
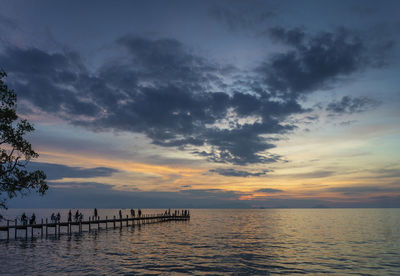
[(15, 151)]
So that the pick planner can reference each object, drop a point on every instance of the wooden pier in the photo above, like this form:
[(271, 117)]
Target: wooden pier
[(56, 227)]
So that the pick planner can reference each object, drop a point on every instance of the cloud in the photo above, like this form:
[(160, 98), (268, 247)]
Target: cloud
[(212, 193), (359, 190), (80, 185), (349, 105), (269, 190), (237, 173), (49, 81), (161, 61), (179, 99), (238, 15), (57, 171), (316, 61), (7, 22), (364, 10), (385, 173), (389, 172), (89, 194), (314, 174), (160, 89)]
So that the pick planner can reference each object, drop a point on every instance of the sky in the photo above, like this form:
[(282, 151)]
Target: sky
[(208, 104)]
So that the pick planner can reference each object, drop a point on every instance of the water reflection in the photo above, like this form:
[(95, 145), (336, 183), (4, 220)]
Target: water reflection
[(342, 241)]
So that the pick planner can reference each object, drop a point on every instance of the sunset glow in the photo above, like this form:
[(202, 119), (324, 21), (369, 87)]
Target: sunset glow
[(209, 105)]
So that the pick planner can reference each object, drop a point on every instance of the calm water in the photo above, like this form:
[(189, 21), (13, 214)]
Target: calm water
[(271, 241)]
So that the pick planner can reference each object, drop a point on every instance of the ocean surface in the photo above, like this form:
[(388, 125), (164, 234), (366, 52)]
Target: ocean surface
[(217, 242)]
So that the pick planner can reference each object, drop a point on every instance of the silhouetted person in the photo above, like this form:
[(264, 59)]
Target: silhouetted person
[(120, 214), (53, 218), (69, 216), (95, 213), (58, 217), (77, 216), (33, 219), (132, 213), (23, 219), (139, 213)]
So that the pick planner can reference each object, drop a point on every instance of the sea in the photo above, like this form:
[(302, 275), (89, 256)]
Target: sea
[(214, 242)]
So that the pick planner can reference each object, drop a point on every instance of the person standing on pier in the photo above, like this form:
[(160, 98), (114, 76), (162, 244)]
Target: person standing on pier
[(120, 214), (23, 218), (132, 213), (139, 213), (69, 216), (77, 216), (58, 217), (95, 213), (33, 219)]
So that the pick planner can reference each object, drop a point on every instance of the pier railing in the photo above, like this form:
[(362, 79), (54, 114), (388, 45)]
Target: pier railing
[(97, 222)]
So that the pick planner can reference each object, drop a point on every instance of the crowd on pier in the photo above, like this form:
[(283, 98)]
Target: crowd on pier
[(78, 216)]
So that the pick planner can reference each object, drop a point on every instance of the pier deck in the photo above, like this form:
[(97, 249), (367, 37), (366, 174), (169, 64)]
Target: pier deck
[(114, 223)]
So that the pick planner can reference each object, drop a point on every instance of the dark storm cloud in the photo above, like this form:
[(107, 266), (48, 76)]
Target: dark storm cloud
[(316, 61), (179, 99), (166, 61), (49, 81), (57, 171), (160, 89), (242, 145), (349, 105), (269, 190), (168, 93), (237, 173)]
